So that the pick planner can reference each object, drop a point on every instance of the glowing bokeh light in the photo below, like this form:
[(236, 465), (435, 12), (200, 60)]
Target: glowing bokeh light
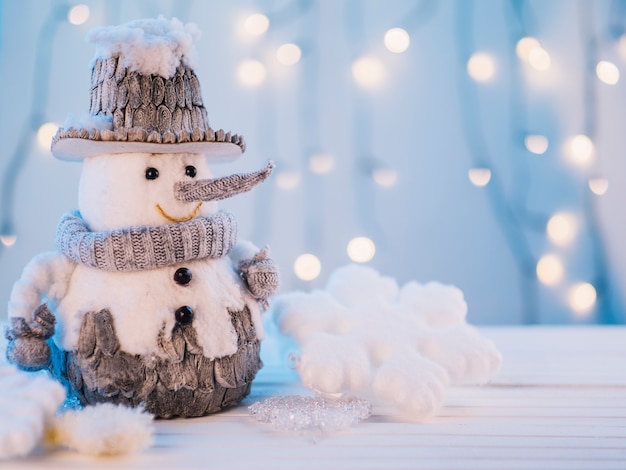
[(45, 133), (288, 54), (535, 143), (288, 179), (256, 24), (479, 176), (321, 163), (78, 14), (307, 267), (539, 59), (550, 269), (8, 240), (525, 45), (607, 72), (598, 186), (580, 150), (561, 228), (582, 297), (385, 177), (361, 249), (368, 72), (251, 73), (481, 67), (397, 40)]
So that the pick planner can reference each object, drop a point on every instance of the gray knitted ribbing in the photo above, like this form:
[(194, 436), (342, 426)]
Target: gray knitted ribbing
[(136, 248), (217, 189)]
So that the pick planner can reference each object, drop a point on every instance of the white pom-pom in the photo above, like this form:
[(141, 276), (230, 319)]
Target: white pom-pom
[(103, 429), (27, 401)]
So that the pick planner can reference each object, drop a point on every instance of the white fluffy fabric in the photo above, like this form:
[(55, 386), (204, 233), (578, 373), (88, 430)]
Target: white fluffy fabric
[(27, 402), (103, 429), (88, 121), (151, 46), (366, 336), (144, 301), (45, 278), (113, 191)]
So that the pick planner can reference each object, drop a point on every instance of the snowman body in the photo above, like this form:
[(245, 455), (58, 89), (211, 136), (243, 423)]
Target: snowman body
[(149, 300), (137, 190), (143, 305), (126, 345), (180, 337)]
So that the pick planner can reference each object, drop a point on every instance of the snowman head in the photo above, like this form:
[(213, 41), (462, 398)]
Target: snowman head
[(139, 189), (146, 141), (122, 190)]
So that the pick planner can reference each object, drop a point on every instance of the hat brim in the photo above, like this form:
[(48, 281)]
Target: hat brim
[(79, 149)]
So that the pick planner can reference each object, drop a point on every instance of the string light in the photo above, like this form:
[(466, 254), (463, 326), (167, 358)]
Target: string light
[(550, 269), (535, 143), (539, 59), (251, 73), (361, 249), (368, 72), (307, 267), (288, 54), (288, 179), (582, 297), (385, 177), (321, 163), (561, 228), (525, 45), (45, 133), (598, 186), (78, 14), (8, 240), (580, 150), (481, 67), (607, 72), (256, 24), (397, 40), (479, 176)]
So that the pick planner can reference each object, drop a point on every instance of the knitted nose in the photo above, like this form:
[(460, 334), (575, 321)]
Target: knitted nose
[(216, 189)]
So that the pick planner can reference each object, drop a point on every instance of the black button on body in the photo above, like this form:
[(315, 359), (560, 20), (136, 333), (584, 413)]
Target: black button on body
[(182, 276), (184, 315)]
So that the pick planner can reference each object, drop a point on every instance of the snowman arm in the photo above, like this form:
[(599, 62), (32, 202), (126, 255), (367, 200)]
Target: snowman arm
[(257, 270), (45, 277), (244, 250)]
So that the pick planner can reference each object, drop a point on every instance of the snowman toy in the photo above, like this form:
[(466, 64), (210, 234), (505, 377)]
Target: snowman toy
[(149, 299)]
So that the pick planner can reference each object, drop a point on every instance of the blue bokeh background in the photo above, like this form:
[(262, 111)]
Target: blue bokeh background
[(427, 120)]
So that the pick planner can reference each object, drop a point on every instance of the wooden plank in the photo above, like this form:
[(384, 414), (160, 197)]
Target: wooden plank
[(555, 405)]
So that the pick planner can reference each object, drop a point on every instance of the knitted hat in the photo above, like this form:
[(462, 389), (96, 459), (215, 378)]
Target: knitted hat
[(145, 97)]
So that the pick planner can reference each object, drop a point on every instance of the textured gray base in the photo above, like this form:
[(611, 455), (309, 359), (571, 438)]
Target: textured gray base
[(184, 384)]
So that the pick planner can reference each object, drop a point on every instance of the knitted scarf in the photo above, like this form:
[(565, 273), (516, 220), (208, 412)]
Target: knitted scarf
[(145, 247)]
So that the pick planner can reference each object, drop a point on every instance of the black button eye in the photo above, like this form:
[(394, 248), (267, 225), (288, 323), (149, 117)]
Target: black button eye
[(184, 315), (191, 171), (152, 173), (182, 276)]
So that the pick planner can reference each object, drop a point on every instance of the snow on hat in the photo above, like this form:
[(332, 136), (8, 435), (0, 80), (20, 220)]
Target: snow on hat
[(145, 97)]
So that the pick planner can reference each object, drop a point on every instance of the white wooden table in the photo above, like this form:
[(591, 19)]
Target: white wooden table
[(559, 402)]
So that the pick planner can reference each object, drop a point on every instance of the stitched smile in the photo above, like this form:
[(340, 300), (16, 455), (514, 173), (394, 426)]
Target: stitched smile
[(182, 219)]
